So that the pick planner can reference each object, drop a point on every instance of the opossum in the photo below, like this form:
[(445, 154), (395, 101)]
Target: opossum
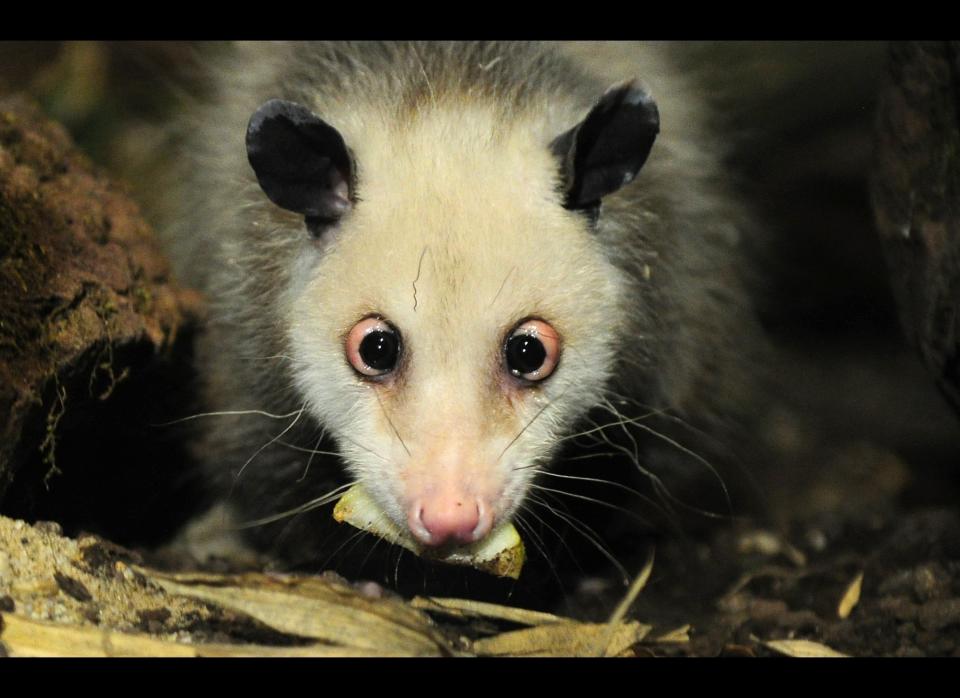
[(442, 257)]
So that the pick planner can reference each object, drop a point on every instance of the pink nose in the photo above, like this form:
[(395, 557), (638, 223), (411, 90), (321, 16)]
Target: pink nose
[(442, 519)]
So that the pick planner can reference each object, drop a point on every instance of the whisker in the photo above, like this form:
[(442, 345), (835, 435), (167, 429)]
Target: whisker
[(611, 483), (390, 422), (658, 485), (313, 453), (396, 568), (624, 421), (562, 539), (665, 413), (352, 538), (633, 456), (532, 420), (228, 413), (538, 544), (593, 500), (736, 461), (534, 499), (637, 422), (315, 503), (586, 456), (356, 542), (271, 441), (362, 447), (366, 557), (301, 449), (272, 357), (590, 535), (599, 428)]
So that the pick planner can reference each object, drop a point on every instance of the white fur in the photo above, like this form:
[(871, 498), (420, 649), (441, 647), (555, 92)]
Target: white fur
[(482, 211)]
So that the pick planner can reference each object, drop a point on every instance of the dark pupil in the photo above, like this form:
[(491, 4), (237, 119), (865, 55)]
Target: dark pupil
[(379, 350), (525, 353)]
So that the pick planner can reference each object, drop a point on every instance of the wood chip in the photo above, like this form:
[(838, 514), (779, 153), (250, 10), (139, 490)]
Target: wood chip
[(770, 544), (681, 634), (851, 597), (802, 648)]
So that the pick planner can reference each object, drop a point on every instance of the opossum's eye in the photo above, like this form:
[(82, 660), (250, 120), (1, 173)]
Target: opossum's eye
[(532, 350), (373, 347)]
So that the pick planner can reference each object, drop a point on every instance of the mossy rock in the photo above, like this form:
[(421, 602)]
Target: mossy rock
[(86, 298)]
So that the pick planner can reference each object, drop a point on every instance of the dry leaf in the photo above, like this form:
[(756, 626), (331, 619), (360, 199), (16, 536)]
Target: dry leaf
[(319, 609), (565, 639), (604, 647), (464, 608), (23, 637), (30, 638)]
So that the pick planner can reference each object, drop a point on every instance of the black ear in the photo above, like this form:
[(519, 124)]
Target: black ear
[(301, 162), (607, 149)]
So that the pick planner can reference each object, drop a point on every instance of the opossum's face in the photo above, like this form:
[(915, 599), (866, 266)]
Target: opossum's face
[(454, 322)]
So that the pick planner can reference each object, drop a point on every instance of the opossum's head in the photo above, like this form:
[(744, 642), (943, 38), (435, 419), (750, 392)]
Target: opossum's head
[(453, 312)]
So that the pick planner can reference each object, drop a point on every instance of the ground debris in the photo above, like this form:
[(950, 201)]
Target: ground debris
[(104, 606)]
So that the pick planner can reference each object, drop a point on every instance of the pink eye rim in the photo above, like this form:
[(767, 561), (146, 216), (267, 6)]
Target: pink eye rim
[(515, 345), (373, 347)]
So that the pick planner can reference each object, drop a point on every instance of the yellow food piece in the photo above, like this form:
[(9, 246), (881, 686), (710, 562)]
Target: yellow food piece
[(501, 553)]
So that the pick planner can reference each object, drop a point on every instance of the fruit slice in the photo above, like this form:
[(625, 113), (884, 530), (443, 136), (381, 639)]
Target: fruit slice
[(501, 553)]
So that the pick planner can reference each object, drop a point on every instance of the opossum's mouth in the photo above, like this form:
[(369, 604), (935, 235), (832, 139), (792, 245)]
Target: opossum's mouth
[(500, 553)]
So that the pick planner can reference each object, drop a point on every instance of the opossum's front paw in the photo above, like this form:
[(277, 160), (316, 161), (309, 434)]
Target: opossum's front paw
[(211, 540)]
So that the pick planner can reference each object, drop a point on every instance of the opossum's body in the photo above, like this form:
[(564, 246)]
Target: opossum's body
[(456, 232)]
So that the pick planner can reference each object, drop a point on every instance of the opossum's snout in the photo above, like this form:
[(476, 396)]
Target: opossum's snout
[(450, 515), (451, 489)]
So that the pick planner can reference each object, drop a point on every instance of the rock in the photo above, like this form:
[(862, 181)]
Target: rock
[(86, 299), (915, 190)]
